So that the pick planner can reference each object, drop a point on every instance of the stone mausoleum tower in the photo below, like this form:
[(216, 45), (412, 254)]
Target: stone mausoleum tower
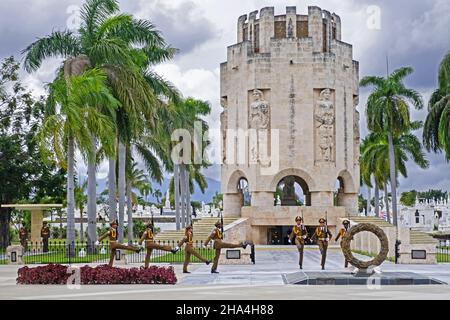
[(289, 90)]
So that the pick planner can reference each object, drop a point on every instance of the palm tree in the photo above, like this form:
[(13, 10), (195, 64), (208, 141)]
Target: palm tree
[(136, 178), (157, 194), (388, 112), (80, 202), (375, 156), (436, 132), (119, 45), (74, 123), (187, 114)]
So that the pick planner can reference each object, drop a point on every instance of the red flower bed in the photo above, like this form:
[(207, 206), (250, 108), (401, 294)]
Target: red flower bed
[(57, 274)]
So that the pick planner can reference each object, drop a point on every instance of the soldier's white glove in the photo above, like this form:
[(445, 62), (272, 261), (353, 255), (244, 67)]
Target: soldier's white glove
[(289, 240), (305, 236), (97, 243)]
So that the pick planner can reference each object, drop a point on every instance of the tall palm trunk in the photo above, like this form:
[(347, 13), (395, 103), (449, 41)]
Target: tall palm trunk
[(188, 198), (81, 225), (369, 196), (392, 170), (176, 178), (121, 187), (70, 196), (386, 201), (377, 199), (112, 189), (92, 196), (130, 213), (183, 194)]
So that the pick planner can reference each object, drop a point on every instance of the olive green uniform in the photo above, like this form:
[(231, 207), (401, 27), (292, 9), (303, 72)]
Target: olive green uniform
[(190, 250), (151, 245), (342, 233), (114, 244), (45, 234), (217, 236), (322, 234), (299, 235)]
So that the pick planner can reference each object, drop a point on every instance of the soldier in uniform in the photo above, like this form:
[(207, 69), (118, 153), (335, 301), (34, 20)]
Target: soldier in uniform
[(217, 236), (322, 235), (299, 234), (45, 234), (149, 237), (342, 234), (190, 250), (114, 243), (23, 235)]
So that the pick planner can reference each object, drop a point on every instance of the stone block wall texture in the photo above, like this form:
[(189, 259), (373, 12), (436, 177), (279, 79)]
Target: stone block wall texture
[(290, 75)]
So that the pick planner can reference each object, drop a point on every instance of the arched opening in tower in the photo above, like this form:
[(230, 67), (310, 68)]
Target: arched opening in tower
[(292, 191), (244, 192), (339, 192)]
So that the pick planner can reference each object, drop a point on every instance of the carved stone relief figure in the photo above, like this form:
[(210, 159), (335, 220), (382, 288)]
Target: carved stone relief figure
[(325, 121), (259, 111), (223, 127), (290, 32)]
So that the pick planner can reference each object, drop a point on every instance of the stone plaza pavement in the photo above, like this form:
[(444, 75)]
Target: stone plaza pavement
[(260, 281)]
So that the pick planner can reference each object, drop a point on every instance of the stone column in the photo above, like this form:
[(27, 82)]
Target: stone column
[(37, 217), (291, 15), (337, 21), (350, 202), (321, 198), (240, 28), (315, 28), (266, 28), (262, 199), (232, 204)]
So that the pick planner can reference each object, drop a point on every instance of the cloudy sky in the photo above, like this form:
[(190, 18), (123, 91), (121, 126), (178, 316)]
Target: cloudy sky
[(411, 33)]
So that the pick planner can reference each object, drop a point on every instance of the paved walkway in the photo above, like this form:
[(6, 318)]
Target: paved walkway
[(260, 281)]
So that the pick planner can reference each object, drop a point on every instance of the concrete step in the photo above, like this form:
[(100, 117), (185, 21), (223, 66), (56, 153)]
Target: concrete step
[(202, 229), (418, 237), (374, 220)]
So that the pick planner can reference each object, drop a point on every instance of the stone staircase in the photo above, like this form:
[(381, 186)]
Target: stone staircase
[(374, 220), (202, 229), (415, 237), (418, 237)]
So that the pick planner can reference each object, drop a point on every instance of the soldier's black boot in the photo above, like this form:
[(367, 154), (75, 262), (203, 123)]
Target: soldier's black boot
[(175, 250), (186, 271), (301, 267), (214, 271), (323, 267), (208, 262)]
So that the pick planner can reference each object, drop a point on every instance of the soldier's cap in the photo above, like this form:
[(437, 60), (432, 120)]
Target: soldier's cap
[(149, 224), (114, 222), (298, 218), (189, 227), (218, 223), (322, 220), (346, 221)]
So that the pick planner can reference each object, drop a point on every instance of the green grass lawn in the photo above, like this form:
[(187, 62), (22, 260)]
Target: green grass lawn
[(443, 258), (178, 257), (46, 258)]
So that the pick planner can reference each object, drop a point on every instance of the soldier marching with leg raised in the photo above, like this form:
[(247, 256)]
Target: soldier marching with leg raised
[(342, 233), (217, 236), (298, 235), (114, 242), (322, 235), (190, 250), (148, 237)]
